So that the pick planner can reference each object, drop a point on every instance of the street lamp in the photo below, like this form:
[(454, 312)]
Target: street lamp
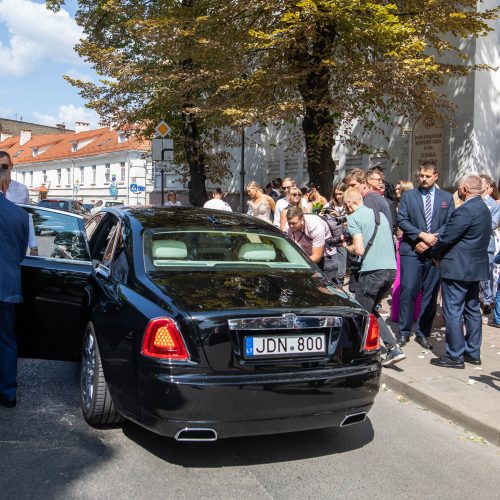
[(242, 170)]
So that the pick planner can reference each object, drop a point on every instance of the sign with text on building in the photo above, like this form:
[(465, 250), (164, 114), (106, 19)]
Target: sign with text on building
[(163, 129), (427, 143), (162, 150)]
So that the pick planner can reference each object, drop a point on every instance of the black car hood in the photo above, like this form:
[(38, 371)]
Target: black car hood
[(210, 291)]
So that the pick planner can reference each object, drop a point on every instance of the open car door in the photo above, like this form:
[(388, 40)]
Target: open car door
[(50, 321)]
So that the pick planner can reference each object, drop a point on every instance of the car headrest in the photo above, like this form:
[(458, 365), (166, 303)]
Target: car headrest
[(257, 251), (169, 249)]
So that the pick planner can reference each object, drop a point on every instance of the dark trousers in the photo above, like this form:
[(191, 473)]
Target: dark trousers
[(417, 273), (372, 287), (486, 287), (334, 266), (8, 351), (461, 308)]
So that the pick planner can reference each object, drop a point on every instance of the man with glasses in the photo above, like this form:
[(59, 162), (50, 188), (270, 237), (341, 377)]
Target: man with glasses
[(358, 179), (18, 193), (14, 231), (286, 185)]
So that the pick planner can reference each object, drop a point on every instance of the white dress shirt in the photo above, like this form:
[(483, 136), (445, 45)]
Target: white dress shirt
[(18, 193)]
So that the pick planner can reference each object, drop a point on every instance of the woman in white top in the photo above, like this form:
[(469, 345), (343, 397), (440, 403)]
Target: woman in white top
[(294, 200), (172, 200), (260, 205)]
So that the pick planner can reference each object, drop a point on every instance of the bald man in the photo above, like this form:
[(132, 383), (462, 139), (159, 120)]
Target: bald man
[(461, 253)]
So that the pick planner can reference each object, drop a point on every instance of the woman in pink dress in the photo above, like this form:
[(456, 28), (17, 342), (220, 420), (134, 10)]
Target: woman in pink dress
[(401, 187)]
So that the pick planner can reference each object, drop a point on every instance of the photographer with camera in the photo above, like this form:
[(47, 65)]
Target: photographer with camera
[(372, 240), (312, 234)]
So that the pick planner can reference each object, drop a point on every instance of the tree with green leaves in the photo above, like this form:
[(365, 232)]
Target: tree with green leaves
[(322, 65)]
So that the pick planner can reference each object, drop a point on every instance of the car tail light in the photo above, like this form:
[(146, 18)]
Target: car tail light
[(162, 339), (372, 339)]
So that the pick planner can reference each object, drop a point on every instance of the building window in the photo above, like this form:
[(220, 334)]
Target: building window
[(122, 171), (107, 171), (24, 177), (94, 173), (74, 147), (44, 175), (31, 178), (68, 177), (82, 176), (59, 176)]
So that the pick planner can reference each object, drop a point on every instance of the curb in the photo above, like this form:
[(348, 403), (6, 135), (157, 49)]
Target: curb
[(489, 432)]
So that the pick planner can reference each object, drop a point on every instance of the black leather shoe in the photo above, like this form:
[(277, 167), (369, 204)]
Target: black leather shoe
[(469, 359), (8, 403), (447, 362), (493, 324), (486, 309), (402, 340), (424, 342)]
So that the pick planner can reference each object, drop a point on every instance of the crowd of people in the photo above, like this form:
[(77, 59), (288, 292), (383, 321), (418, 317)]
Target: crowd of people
[(420, 244)]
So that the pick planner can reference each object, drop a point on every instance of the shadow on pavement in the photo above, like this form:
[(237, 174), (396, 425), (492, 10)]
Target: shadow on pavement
[(45, 444), (253, 450), (493, 380)]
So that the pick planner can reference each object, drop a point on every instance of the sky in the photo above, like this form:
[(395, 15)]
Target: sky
[(36, 50)]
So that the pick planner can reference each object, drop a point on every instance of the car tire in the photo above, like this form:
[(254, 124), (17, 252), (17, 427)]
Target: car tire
[(95, 398)]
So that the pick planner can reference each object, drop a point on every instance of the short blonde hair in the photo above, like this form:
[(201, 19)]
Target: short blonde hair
[(352, 194)]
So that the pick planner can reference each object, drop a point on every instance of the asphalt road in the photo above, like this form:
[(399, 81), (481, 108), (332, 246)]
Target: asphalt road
[(401, 451)]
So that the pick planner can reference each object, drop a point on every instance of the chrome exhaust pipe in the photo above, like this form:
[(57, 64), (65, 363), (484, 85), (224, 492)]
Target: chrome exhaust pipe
[(355, 418), (196, 434)]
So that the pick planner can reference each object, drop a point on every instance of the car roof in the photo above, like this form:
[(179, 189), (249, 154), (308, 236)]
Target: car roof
[(56, 199), (152, 217)]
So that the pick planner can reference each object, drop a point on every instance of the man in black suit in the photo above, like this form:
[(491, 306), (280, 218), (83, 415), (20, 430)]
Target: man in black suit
[(14, 231), (462, 255), (423, 213)]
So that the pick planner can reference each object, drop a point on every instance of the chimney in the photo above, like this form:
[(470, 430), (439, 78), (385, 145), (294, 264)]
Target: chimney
[(24, 137), (81, 127), (61, 127), (4, 136)]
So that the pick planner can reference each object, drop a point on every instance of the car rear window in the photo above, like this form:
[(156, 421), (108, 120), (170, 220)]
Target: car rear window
[(208, 249)]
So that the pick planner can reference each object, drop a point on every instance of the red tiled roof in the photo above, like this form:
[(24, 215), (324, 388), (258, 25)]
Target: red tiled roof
[(104, 141)]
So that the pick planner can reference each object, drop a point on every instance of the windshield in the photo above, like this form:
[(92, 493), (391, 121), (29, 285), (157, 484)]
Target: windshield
[(212, 248)]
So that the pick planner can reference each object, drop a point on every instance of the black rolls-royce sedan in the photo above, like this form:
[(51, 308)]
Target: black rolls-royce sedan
[(196, 324)]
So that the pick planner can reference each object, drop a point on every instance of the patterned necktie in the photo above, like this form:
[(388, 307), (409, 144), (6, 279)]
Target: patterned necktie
[(428, 211)]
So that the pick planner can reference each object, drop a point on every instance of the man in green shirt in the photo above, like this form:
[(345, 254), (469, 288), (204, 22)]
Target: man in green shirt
[(378, 267)]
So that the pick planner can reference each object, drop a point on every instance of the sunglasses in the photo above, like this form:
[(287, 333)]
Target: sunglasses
[(296, 194)]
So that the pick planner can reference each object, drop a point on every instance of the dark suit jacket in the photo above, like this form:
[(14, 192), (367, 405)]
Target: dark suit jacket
[(14, 231), (411, 217), (462, 248)]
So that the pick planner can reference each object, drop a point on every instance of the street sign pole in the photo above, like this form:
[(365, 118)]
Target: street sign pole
[(162, 171)]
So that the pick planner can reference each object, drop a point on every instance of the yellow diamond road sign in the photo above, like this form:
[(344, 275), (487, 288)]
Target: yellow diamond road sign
[(163, 129)]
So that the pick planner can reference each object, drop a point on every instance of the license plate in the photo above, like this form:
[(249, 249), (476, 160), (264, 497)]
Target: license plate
[(290, 345)]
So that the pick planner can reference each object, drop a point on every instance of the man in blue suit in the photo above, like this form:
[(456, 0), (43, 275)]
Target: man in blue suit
[(14, 231), (423, 212), (462, 255)]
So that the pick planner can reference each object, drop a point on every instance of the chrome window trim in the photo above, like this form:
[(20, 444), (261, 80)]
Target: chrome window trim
[(287, 321)]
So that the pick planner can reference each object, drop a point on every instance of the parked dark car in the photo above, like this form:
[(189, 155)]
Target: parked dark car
[(197, 324), (64, 204)]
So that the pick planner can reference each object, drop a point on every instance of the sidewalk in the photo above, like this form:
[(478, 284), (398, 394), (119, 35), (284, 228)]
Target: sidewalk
[(470, 397)]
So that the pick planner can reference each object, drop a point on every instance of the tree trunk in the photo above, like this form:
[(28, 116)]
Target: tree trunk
[(196, 161), (320, 164), (318, 123)]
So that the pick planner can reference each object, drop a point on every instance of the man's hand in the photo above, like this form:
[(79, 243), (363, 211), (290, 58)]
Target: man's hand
[(429, 238), (34, 251), (421, 247)]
